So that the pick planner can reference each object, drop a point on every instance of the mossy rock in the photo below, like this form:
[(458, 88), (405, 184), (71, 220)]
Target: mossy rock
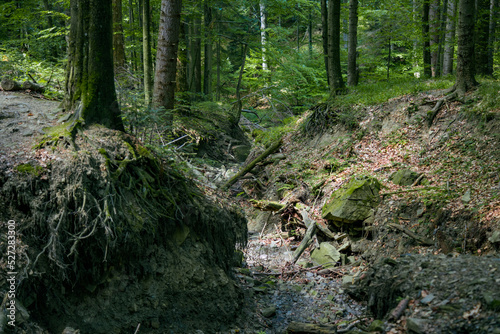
[(404, 177), (353, 203), (326, 255)]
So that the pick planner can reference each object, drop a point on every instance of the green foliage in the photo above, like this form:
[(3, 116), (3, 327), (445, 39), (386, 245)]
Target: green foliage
[(274, 134), (484, 103)]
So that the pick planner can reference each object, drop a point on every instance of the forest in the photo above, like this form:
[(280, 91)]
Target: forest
[(255, 166)]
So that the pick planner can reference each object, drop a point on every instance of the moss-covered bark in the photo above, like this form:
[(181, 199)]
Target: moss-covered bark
[(90, 77)]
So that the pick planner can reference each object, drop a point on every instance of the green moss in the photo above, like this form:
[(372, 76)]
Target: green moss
[(27, 169), (53, 135)]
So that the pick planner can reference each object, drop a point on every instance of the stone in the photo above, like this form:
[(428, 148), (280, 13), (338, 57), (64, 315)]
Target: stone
[(180, 235), (427, 299), (404, 177), (70, 330), (466, 198), (269, 311), (326, 255), (377, 326), (64, 118), (415, 325), (495, 237), (347, 279), (354, 202)]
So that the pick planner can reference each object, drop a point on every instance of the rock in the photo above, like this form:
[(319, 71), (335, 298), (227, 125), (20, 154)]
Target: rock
[(495, 237), (353, 203), (427, 299), (180, 235), (466, 198), (70, 330), (377, 326), (269, 311), (326, 255), (347, 279), (404, 177), (64, 118), (415, 325)]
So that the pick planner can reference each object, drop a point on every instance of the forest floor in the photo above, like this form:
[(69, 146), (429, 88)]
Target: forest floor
[(449, 286)]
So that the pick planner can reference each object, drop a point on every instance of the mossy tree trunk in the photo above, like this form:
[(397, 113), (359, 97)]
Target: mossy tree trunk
[(465, 52), (207, 78), (426, 38), (118, 40), (89, 76), (482, 37), (166, 56), (324, 35), (335, 71), (352, 70), (148, 60)]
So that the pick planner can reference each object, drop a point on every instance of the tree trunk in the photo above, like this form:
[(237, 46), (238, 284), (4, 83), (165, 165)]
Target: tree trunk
[(482, 36), (263, 27), (194, 57), (491, 41), (133, 58), (218, 93), (207, 77), (166, 56), (324, 35), (352, 70), (465, 52), (118, 40), (442, 30), (310, 28), (449, 48), (336, 81), (426, 39), (434, 25), (147, 57), (238, 86)]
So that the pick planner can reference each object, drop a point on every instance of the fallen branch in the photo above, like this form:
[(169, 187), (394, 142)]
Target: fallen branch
[(267, 205), (324, 228), (398, 310), (417, 181), (422, 240), (433, 113), (410, 191), (251, 165), (311, 230), (305, 328), (10, 85)]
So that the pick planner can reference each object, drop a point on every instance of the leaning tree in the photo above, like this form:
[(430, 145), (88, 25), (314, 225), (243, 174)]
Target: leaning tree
[(90, 86)]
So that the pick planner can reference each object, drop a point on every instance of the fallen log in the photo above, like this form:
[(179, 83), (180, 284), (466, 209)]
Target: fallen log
[(305, 328), (34, 87), (398, 310), (251, 165), (422, 240), (264, 205), (10, 85), (311, 230)]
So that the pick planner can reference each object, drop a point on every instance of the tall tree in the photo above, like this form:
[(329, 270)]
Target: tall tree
[(482, 36), (352, 70), (263, 27), (465, 53), (147, 57), (166, 56), (492, 36), (426, 39), (90, 67), (336, 81), (324, 34), (207, 77), (434, 27), (118, 40), (449, 42)]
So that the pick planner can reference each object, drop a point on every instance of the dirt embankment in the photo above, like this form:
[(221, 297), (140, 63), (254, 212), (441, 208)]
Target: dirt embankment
[(109, 238), (450, 207)]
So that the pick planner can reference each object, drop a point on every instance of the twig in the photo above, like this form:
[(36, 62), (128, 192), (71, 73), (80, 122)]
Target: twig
[(422, 240), (398, 310), (137, 329)]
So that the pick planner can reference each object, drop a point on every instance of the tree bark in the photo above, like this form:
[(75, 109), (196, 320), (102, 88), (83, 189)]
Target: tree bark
[(352, 70), (426, 39), (99, 98), (449, 48), (324, 35), (207, 77), (263, 27), (10, 85), (336, 81), (492, 39), (118, 40), (465, 53), (166, 56), (434, 26), (147, 57), (482, 37)]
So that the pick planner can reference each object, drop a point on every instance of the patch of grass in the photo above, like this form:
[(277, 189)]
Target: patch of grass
[(27, 169), (274, 134)]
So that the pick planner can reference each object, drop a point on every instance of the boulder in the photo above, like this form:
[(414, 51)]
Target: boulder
[(325, 255), (353, 203), (404, 177)]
